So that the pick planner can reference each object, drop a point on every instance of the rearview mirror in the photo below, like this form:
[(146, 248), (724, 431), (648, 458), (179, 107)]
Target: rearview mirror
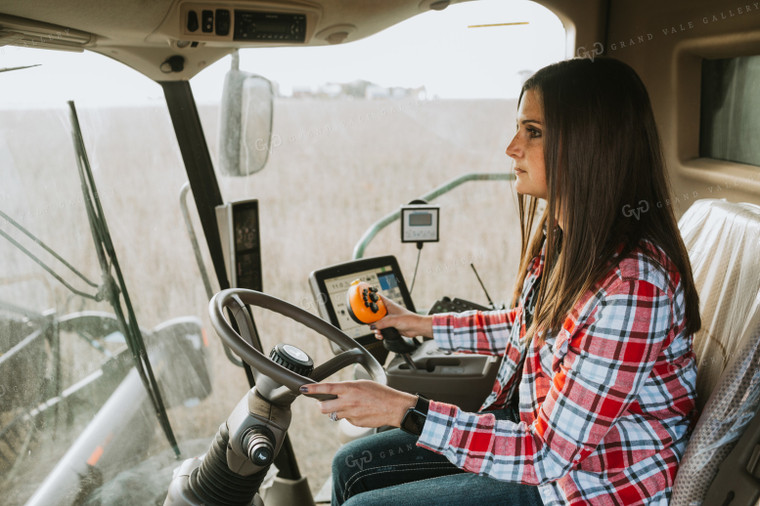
[(245, 123)]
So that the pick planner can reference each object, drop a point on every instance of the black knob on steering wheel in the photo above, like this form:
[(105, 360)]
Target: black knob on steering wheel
[(292, 358), (236, 299)]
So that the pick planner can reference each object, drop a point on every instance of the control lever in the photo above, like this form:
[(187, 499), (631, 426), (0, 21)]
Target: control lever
[(488, 297), (365, 306)]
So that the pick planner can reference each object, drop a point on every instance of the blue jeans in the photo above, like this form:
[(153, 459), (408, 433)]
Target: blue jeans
[(388, 468)]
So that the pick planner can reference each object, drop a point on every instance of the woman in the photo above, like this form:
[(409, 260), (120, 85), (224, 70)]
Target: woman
[(593, 400)]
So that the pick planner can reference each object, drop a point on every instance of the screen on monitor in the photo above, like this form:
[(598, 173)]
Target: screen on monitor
[(330, 285)]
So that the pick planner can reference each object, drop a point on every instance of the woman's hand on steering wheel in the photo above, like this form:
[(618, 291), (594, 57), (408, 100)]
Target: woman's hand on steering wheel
[(363, 403)]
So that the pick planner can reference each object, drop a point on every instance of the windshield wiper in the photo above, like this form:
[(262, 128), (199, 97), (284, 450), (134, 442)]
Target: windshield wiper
[(113, 286)]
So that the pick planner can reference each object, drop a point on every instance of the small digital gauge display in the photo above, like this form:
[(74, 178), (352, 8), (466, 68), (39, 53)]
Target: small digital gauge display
[(419, 223), (245, 216), (241, 243), (420, 219), (278, 26), (246, 229)]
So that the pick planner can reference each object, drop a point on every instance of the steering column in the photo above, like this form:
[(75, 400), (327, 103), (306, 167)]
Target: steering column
[(245, 446)]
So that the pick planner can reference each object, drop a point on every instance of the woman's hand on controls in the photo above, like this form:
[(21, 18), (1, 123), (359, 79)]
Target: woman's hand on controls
[(363, 403), (409, 324)]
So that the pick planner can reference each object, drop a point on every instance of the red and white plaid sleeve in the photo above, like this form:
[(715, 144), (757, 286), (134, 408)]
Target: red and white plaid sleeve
[(604, 405), (485, 332)]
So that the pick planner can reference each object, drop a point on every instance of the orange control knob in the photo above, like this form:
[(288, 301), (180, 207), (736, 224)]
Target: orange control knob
[(364, 304)]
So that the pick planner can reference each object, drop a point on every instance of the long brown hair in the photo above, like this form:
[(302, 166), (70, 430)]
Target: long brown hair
[(605, 176)]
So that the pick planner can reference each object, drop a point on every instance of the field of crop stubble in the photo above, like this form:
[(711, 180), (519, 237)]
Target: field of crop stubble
[(336, 167)]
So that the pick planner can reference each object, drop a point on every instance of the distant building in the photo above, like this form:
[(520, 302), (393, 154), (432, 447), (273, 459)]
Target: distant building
[(359, 89)]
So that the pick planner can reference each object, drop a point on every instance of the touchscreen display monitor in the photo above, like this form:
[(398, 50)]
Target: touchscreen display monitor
[(330, 285)]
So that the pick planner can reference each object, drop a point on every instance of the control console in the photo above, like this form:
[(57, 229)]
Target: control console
[(464, 379)]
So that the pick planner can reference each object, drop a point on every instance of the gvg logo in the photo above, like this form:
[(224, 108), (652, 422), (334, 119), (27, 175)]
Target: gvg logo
[(596, 50), (629, 211), (268, 145), (364, 458)]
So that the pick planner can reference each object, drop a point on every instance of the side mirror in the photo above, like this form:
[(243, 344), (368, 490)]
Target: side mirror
[(245, 130)]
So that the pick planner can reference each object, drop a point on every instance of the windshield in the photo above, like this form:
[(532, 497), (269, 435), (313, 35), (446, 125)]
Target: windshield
[(348, 148), (78, 302)]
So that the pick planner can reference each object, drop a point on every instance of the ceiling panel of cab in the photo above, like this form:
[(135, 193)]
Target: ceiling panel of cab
[(145, 34)]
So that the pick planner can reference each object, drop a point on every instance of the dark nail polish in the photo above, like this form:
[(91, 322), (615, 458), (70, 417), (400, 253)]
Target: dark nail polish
[(303, 389)]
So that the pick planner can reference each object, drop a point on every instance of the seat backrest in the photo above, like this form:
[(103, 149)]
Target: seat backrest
[(723, 241)]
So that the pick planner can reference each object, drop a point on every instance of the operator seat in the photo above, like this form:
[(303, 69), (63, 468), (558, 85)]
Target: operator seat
[(723, 241)]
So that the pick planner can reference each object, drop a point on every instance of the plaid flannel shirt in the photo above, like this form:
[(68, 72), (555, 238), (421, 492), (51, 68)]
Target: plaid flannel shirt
[(605, 403)]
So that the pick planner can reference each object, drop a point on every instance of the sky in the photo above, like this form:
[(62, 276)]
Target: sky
[(437, 50)]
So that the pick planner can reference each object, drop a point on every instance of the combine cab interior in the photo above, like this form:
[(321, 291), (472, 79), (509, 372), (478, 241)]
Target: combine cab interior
[(121, 222)]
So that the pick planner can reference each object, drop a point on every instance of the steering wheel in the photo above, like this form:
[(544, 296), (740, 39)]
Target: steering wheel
[(236, 299)]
